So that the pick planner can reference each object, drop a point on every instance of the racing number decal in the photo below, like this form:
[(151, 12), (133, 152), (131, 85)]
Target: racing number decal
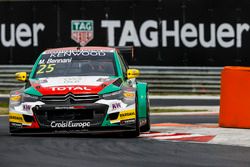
[(50, 68), (42, 67), (46, 68)]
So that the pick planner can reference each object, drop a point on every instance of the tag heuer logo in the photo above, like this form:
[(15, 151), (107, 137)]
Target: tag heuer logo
[(82, 31)]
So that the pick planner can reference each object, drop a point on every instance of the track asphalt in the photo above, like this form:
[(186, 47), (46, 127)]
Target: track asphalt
[(195, 122), (106, 150)]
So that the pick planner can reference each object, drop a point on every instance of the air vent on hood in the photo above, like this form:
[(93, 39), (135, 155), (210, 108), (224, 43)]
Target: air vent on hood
[(117, 82)]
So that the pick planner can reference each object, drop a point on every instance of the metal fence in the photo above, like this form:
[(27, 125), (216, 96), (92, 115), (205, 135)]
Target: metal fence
[(169, 80)]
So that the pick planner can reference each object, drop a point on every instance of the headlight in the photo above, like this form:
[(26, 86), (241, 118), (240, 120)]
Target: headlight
[(15, 99), (29, 98), (113, 95)]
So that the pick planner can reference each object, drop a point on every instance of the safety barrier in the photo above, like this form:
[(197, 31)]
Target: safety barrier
[(203, 80), (169, 80), (234, 100)]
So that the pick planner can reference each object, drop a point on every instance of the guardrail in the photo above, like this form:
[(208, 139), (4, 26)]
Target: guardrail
[(201, 80)]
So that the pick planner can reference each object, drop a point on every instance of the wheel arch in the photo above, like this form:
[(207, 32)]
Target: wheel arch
[(142, 89)]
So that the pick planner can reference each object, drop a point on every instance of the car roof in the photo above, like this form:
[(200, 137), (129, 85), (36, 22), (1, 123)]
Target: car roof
[(89, 48)]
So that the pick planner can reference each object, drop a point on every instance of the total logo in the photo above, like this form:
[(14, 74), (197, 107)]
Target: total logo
[(69, 124), (70, 88)]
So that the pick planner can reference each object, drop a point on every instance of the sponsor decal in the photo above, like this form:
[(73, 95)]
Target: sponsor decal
[(129, 114), (69, 124), (43, 81), (14, 117), (116, 106), (125, 115), (70, 107), (57, 83), (190, 35), (17, 118), (26, 107), (82, 31), (130, 121), (17, 125), (69, 88), (71, 80), (74, 53)]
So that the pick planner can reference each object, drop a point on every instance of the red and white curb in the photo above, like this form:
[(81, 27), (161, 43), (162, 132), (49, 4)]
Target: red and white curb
[(177, 136)]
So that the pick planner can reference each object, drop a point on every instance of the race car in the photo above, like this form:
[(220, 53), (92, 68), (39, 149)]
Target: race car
[(80, 89)]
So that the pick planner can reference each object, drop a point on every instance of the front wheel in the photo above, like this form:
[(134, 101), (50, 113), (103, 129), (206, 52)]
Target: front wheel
[(136, 132)]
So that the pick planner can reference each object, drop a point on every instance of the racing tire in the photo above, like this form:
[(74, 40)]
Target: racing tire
[(146, 127), (13, 132), (136, 132)]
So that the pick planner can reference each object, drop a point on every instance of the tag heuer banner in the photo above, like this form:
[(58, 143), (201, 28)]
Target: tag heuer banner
[(163, 33), (82, 31)]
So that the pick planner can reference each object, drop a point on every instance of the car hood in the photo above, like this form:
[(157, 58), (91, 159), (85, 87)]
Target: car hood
[(75, 85)]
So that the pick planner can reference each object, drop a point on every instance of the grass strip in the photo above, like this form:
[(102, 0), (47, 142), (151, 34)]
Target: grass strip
[(4, 104), (4, 91), (4, 111)]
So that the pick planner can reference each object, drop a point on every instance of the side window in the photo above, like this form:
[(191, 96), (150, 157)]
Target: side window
[(123, 65)]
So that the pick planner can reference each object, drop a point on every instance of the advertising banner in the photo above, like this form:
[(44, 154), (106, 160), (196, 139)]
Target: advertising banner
[(166, 33)]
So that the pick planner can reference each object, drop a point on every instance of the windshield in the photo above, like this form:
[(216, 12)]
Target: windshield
[(76, 63)]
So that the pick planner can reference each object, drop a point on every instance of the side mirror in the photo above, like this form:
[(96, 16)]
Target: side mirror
[(21, 76), (132, 73)]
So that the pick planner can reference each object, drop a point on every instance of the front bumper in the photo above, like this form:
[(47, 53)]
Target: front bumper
[(48, 116), (95, 117)]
